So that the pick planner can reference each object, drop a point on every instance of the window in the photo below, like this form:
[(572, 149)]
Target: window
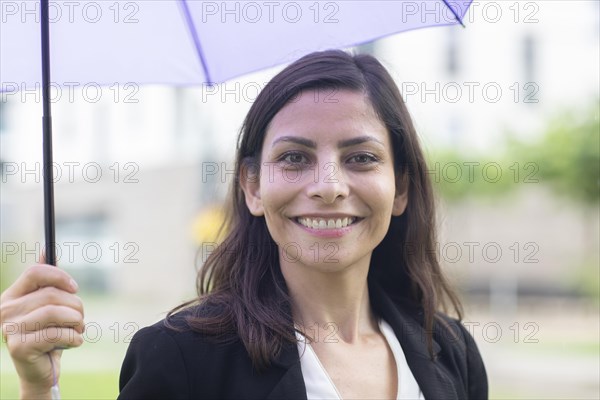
[(452, 65), (85, 251), (529, 58)]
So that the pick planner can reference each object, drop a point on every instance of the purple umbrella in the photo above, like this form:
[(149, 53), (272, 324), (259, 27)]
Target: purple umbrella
[(182, 42)]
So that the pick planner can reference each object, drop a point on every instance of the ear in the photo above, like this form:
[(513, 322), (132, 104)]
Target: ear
[(401, 197), (250, 183)]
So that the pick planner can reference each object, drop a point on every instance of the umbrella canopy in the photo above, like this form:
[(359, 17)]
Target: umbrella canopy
[(187, 42)]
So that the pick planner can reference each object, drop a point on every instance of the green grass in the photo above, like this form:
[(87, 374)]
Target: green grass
[(94, 385), (583, 348)]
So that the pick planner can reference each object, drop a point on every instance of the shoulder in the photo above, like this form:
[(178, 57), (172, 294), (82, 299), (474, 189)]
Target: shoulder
[(451, 333), (170, 360), (456, 369), (458, 349), (178, 330), (154, 365)]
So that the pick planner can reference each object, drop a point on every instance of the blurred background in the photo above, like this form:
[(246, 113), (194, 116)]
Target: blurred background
[(508, 113)]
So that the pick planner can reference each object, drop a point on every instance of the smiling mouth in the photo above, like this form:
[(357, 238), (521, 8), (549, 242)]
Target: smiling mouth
[(326, 223)]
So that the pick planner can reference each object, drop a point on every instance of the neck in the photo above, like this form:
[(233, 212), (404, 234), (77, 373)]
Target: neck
[(337, 303)]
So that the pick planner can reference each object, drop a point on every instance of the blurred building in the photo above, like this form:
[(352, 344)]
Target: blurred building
[(137, 165)]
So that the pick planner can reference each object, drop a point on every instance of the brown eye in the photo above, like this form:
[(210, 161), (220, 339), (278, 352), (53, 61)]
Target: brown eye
[(363, 158), (294, 158)]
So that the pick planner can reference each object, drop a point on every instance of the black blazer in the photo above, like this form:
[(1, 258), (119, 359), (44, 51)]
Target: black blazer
[(165, 364)]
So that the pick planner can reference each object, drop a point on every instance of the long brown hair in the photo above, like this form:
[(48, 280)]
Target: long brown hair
[(241, 287)]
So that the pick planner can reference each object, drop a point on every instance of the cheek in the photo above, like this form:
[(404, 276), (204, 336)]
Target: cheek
[(379, 192), (275, 193)]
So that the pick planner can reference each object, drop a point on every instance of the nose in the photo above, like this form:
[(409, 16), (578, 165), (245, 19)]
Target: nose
[(329, 183)]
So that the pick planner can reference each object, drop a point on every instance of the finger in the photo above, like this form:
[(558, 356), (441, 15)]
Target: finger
[(29, 346), (45, 296), (39, 276), (44, 317)]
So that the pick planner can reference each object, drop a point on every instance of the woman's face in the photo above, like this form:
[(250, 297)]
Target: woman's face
[(327, 186)]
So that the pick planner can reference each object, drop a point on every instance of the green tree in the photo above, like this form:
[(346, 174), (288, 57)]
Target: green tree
[(567, 156), (458, 177)]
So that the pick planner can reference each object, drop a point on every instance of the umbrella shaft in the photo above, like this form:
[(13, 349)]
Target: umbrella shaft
[(45, 31), (49, 192), (47, 137)]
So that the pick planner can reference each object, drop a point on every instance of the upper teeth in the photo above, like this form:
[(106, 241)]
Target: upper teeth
[(321, 223)]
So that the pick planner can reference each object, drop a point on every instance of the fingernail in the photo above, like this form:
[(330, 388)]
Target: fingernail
[(74, 285)]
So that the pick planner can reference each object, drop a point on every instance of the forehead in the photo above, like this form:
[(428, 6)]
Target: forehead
[(325, 115)]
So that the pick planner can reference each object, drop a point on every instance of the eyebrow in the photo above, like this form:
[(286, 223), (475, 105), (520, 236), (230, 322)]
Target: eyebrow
[(313, 145), (296, 139), (359, 140)]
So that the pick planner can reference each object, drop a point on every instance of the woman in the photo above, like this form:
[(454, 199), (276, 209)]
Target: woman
[(324, 286)]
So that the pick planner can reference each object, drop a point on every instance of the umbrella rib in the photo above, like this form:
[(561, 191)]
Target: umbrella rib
[(458, 18), (192, 28)]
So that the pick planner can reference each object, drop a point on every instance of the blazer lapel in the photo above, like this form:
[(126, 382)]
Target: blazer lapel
[(404, 320), (291, 385), (431, 377)]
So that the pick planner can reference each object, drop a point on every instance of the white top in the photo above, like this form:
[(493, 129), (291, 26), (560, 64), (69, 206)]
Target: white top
[(320, 386)]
